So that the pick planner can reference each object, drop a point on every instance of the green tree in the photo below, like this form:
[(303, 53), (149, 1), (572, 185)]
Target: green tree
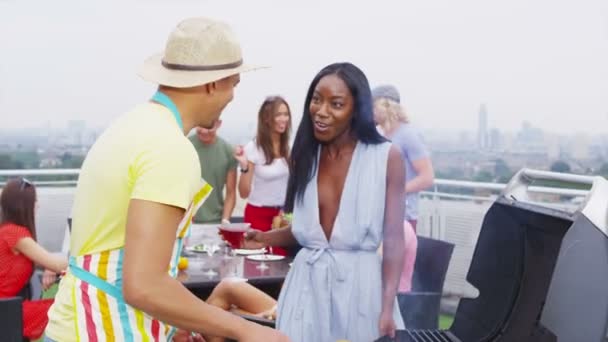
[(483, 176), (560, 166), (502, 171), (604, 170), (28, 159), (70, 161), (7, 162), (450, 173)]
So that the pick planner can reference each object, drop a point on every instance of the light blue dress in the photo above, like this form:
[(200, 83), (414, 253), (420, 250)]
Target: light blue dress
[(334, 289)]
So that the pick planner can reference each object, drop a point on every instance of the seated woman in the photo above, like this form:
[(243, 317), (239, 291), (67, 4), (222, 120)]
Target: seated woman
[(19, 251)]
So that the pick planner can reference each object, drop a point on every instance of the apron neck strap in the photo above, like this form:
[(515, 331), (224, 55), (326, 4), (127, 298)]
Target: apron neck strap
[(166, 101)]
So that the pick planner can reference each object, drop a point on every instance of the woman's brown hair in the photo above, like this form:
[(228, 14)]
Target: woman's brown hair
[(18, 202), (266, 115)]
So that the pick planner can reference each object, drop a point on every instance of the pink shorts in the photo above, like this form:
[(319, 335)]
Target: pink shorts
[(411, 244)]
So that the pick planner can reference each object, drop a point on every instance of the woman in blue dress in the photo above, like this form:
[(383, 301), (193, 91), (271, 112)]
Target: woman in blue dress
[(346, 191)]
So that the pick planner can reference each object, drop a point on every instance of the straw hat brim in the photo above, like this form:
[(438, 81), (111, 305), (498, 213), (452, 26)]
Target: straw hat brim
[(153, 71)]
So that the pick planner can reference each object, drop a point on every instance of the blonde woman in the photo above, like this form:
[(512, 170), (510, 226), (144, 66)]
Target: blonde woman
[(394, 124)]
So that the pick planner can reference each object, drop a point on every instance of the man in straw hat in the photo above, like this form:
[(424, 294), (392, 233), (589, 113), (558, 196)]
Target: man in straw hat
[(137, 191)]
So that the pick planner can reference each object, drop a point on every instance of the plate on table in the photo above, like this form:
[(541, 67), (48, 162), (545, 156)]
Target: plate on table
[(197, 249), (235, 279), (265, 257), (249, 251)]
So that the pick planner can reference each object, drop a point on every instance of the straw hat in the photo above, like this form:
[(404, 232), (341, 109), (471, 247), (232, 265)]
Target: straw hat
[(199, 51)]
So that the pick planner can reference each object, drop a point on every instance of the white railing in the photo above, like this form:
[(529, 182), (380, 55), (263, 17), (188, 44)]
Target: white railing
[(500, 186), (438, 182), (446, 214), (40, 172)]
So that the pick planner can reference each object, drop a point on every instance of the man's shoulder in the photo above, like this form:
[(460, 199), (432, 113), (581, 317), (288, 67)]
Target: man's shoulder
[(409, 129), (405, 133), (195, 142), (146, 120), (219, 144), (223, 143)]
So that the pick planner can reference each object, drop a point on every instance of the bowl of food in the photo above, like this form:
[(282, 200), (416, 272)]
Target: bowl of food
[(281, 221), (233, 233)]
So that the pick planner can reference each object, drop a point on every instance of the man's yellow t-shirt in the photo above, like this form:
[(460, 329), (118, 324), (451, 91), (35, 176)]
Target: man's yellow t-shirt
[(142, 155)]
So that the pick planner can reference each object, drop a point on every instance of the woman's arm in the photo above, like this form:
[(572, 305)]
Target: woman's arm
[(425, 176), (245, 179), (394, 241), (230, 199), (416, 151), (40, 256), (282, 237), (243, 156)]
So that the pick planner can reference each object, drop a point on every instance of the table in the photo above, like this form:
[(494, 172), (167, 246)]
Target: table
[(268, 280), (195, 279)]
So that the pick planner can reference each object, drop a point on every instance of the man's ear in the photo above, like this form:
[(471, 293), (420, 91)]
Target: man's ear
[(211, 87)]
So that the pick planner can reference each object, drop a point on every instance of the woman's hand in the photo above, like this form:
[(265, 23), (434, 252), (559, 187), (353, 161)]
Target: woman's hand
[(269, 314), (48, 279), (253, 239), (387, 324), (240, 156)]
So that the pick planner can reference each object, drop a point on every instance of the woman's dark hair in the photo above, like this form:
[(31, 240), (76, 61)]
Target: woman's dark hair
[(18, 201), (303, 160), (263, 139)]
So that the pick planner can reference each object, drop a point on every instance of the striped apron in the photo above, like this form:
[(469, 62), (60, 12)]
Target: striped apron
[(101, 312)]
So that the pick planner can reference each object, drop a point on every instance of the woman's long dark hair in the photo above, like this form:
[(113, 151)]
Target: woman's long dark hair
[(263, 138), (303, 160), (18, 202)]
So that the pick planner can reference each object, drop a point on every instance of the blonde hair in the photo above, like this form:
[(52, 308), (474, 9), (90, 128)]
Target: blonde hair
[(390, 112)]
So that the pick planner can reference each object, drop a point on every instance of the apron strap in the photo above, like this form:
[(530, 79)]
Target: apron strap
[(165, 100), (95, 281)]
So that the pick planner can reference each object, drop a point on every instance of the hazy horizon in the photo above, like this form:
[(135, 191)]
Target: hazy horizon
[(542, 61)]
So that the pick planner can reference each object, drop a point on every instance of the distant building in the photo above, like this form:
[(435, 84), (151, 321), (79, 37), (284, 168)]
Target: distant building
[(531, 139), (482, 128), (75, 132), (554, 150), (495, 141), (581, 147)]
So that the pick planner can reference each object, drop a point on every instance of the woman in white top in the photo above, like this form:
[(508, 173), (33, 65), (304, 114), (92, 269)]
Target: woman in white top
[(263, 164)]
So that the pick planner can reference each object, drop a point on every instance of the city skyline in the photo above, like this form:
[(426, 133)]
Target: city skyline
[(446, 58), (250, 127)]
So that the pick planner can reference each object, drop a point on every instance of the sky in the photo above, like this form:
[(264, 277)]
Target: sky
[(544, 61)]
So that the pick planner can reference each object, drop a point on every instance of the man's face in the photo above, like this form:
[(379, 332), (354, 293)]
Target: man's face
[(221, 94), (208, 135)]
